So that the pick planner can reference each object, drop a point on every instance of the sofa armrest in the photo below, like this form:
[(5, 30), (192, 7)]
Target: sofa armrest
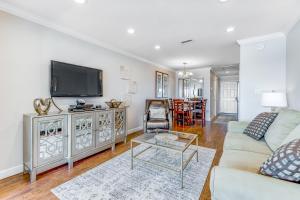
[(233, 184), (237, 127)]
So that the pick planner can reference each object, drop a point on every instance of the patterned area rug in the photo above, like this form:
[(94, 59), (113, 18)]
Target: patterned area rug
[(115, 180)]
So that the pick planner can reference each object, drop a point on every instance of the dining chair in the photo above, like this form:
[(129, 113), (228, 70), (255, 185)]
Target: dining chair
[(199, 109), (182, 112)]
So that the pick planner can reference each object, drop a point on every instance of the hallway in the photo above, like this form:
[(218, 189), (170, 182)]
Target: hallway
[(225, 118)]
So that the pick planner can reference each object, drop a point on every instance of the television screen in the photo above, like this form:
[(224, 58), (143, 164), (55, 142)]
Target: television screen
[(69, 80)]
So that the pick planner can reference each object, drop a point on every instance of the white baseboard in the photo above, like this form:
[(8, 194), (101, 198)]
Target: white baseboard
[(135, 130), (18, 169), (11, 171)]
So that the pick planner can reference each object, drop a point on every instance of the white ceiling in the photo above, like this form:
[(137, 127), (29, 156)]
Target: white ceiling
[(164, 22)]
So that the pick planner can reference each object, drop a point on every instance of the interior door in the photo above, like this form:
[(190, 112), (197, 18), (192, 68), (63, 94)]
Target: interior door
[(229, 96)]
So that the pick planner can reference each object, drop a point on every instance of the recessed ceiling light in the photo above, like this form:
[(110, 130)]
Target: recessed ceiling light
[(230, 29), (223, 1), (80, 1), (157, 47), (131, 31), (227, 72)]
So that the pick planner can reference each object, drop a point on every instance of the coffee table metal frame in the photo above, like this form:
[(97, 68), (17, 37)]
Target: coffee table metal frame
[(183, 164)]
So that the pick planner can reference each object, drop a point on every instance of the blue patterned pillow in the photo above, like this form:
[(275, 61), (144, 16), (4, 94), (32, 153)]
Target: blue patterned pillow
[(259, 125), (284, 163)]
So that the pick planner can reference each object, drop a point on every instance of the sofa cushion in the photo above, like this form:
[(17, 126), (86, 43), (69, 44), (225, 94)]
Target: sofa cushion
[(285, 122), (237, 127), (259, 125), (242, 160), (240, 141), (294, 134), (284, 163), (233, 184)]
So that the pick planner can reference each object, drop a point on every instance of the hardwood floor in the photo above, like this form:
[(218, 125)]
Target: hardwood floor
[(18, 186)]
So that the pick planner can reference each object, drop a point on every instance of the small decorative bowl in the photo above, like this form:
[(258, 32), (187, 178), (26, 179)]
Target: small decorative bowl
[(113, 103)]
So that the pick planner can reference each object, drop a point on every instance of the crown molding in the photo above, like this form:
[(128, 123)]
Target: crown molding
[(6, 7), (262, 38), (208, 66)]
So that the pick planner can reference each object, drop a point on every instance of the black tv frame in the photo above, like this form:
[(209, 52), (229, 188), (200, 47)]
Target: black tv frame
[(51, 81)]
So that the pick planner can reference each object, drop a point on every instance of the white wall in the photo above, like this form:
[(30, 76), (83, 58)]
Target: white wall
[(213, 94), (262, 68), (25, 53), (293, 67)]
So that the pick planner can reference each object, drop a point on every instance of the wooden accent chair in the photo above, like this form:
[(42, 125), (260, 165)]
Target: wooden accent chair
[(157, 115)]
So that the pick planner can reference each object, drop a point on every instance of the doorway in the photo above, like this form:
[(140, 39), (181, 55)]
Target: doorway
[(229, 97)]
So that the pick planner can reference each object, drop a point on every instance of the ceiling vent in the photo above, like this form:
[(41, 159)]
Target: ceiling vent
[(186, 42)]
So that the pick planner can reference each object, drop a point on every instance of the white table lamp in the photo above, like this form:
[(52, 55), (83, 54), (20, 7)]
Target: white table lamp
[(274, 100)]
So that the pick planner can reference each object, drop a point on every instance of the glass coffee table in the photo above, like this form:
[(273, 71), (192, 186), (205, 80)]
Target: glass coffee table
[(178, 142)]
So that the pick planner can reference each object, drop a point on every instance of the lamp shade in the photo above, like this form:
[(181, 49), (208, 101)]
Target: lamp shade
[(274, 99)]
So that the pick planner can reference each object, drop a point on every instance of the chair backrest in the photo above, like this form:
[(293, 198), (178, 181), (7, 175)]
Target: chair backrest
[(197, 104), (194, 99), (157, 103), (178, 105)]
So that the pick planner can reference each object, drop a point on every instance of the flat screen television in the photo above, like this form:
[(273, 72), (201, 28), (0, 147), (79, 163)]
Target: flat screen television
[(68, 80)]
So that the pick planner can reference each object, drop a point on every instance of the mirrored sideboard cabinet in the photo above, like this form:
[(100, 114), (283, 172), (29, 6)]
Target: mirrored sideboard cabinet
[(58, 138)]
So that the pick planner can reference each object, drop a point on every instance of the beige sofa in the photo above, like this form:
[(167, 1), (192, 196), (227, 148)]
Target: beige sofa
[(237, 177)]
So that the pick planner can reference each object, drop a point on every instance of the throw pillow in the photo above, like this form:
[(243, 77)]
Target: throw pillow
[(285, 122), (259, 125), (284, 163), (157, 113)]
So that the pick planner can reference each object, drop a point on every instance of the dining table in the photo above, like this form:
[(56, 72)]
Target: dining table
[(189, 111)]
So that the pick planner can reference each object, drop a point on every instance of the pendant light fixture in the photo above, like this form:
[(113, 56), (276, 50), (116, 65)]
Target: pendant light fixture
[(184, 73)]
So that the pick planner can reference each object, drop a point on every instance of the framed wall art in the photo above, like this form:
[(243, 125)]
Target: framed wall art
[(124, 72), (165, 86), (161, 85), (132, 87)]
